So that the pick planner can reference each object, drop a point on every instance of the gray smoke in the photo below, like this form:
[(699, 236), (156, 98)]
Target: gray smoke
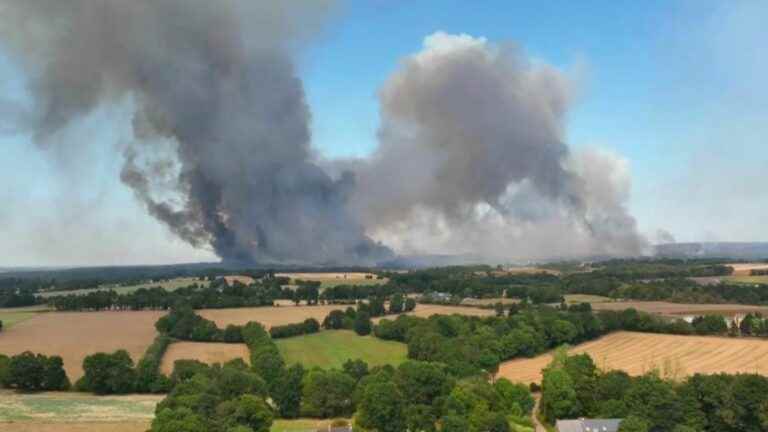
[(472, 159), (221, 124)]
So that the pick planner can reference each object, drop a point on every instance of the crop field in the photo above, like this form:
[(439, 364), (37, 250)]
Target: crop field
[(680, 309), (282, 315), (74, 335), (330, 349), (169, 285), (763, 279), (246, 280), (674, 356), (744, 269), (13, 316), (586, 298), (205, 352), (332, 279), (488, 301)]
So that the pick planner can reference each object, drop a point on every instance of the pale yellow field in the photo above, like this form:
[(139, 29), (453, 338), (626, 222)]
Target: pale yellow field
[(74, 335), (673, 309), (282, 315), (202, 351), (322, 276), (674, 356), (744, 269), (246, 280)]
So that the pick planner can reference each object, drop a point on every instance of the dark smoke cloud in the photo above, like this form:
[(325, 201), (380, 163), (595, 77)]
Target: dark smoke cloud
[(215, 82), (472, 159)]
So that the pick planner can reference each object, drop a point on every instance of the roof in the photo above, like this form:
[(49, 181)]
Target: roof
[(588, 425)]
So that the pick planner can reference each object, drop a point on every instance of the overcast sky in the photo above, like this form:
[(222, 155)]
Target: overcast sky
[(676, 88)]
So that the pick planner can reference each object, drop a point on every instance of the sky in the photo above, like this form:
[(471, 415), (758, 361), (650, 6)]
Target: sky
[(677, 88)]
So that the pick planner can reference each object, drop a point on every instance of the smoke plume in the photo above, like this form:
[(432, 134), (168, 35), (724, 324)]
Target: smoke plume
[(222, 151), (471, 154), (472, 159)]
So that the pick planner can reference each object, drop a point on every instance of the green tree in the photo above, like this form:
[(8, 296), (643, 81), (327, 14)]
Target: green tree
[(108, 373), (515, 398), (253, 412), (381, 408), (410, 304), (633, 424), (559, 399), (334, 320), (396, 304), (55, 378), (363, 324), (454, 423), (327, 394), (287, 394), (178, 420), (357, 369)]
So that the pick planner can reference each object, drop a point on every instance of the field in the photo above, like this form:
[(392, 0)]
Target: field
[(488, 301), (586, 298), (332, 279), (681, 309), (13, 316), (330, 349), (74, 335), (202, 351), (281, 315), (744, 269), (748, 279), (170, 285), (674, 356)]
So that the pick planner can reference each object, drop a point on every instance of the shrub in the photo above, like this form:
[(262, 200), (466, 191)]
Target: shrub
[(108, 373), (35, 372)]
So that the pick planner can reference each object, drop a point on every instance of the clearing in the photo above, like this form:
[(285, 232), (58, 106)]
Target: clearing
[(330, 349), (674, 356), (206, 352), (281, 315), (678, 310), (168, 285), (74, 335)]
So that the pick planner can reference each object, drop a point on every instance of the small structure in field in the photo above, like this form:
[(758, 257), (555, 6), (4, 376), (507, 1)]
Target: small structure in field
[(588, 425)]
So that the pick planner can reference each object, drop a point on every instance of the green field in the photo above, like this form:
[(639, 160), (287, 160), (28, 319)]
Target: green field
[(330, 349), (333, 283), (69, 407), (747, 279), (299, 425), (586, 298), (170, 285), (12, 316)]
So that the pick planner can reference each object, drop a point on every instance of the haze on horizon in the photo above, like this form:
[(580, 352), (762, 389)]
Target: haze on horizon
[(335, 132)]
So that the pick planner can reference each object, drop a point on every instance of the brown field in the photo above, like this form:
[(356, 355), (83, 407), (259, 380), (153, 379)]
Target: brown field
[(744, 269), (322, 276), (246, 280), (202, 351), (674, 356), (282, 315), (74, 335), (677, 309), (75, 427)]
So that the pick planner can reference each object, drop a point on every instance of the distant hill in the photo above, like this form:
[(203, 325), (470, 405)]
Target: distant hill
[(736, 250)]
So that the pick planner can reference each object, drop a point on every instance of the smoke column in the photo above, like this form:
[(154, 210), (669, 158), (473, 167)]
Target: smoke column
[(222, 151)]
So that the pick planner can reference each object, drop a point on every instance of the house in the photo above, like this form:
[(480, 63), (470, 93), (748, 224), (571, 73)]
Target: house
[(588, 425)]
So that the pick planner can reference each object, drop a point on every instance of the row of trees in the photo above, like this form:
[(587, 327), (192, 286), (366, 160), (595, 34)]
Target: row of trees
[(574, 387), (33, 372)]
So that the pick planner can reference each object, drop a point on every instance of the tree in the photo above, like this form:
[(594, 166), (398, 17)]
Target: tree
[(5, 364), (30, 372), (334, 320), (327, 394), (454, 423), (633, 424), (410, 304), (515, 398), (654, 401), (177, 420), (254, 413), (381, 408), (422, 382), (363, 324), (108, 373), (357, 369), (287, 393), (559, 399), (396, 304), (55, 377)]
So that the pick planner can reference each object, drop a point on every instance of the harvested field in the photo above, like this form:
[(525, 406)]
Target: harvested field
[(75, 427), (282, 315), (66, 407), (333, 279), (202, 351), (674, 356), (586, 298), (744, 269), (74, 335), (330, 349), (245, 280), (681, 309), (488, 301)]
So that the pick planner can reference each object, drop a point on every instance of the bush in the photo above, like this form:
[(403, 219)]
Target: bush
[(108, 373), (309, 326), (35, 372), (363, 323), (148, 376)]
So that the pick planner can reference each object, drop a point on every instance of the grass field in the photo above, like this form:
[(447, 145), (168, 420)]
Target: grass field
[(330, 349), (75, 407), (300, 425), (327, 279), (747, 279), (674, 356), (282, 315), (74, 335), (170, 285), (202, 351), (586, 298)]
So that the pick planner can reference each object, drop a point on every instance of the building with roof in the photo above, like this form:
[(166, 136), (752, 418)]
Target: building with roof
[(588, 425)]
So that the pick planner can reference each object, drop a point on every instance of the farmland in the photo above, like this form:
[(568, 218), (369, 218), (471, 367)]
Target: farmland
[(74, 335), (675, 356), (330, 349), (282, 315), (13, 316), (327, 279), (205, 352), (680, 309), (169, 285)]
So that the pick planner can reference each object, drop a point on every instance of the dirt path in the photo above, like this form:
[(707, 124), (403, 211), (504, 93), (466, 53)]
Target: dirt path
[(536, 423)]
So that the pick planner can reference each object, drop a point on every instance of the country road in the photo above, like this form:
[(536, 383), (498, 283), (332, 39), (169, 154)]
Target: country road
[(539, 427)]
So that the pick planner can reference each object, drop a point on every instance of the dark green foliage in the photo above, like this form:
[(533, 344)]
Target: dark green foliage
[(363, 324), (5, 363), (396, 304), (382, 408), (183, 323), (410, 304), (327, 394), (334, 320), (309, 326), (34, 372), (634, 424), (710, 325), (108, 373), (148, 376), (357, 369), (287, 393)]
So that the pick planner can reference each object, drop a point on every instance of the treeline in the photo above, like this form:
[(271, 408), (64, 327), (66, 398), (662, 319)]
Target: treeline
[(573, 387), (474, 345), (217, 295), (33, 372), (183, 323)]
